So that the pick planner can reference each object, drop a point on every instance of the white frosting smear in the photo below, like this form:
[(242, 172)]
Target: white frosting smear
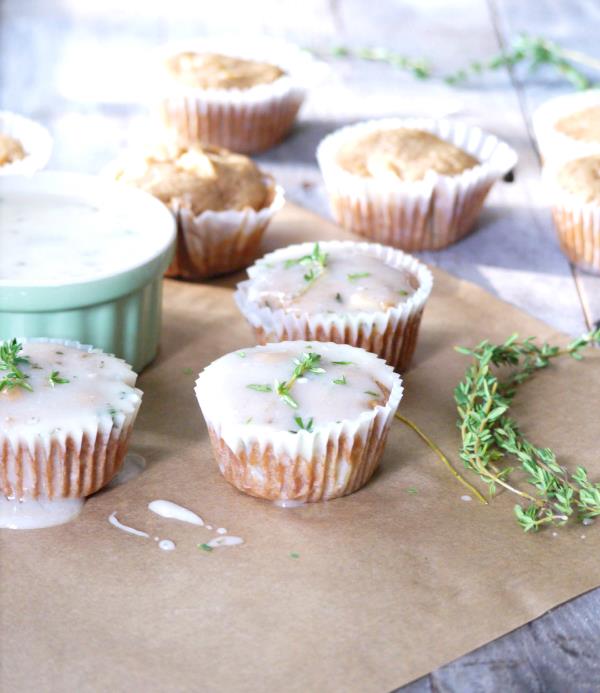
[(35, 514), (166, 545), (172, 511), (288, 503), (226, 540), (125, 528), (53, 236), (221, 530)]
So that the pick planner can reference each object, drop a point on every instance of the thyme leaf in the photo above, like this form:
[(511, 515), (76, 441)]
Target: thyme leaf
[(10, 362)]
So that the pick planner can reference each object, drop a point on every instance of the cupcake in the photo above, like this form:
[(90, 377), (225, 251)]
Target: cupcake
[(25, 145), (222, 202), (363, 294), (296, 421), (67, 412), (575, 192), (568, 126), (415, 184), (233, 93)]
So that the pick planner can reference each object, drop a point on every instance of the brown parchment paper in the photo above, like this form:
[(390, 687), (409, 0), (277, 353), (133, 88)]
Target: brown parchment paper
[(388, 584)]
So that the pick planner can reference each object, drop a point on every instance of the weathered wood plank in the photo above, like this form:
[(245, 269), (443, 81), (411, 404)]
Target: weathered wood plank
[(570, 24)]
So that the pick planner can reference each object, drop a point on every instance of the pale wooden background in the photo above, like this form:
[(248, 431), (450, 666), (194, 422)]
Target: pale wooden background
[(78, 65)]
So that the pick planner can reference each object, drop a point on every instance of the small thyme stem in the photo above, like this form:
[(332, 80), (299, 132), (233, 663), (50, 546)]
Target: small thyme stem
[(442, 457)]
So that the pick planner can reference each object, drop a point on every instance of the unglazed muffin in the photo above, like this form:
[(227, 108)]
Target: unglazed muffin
[(222, 202), (575, 194), (25, 145), (298, 421), (234, 93), (568, 126), (67, 412), (363, 294), (414, 184)]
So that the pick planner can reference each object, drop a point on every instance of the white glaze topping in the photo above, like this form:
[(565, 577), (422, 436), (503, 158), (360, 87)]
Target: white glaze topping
[(172, 511), (344, 383), (342, 279), (226, 540), (35, 514), (100, 390), (60, 239), (112, 518), (166, 545)]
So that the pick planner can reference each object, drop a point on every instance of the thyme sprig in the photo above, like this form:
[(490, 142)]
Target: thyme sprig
[(531, 51), (10, 362), (492, 442), (315, 264), (307, 363)]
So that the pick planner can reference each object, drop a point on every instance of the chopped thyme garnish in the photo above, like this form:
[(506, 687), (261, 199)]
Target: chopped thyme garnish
[(338, 297), (187, 371), (248, 420), (55, 379), (342, 363), (260, 388), (373, 394), (412, 490), (307, 363), (294, 554), (241, 354), (10, 362), (358, 275), (205, 547), (304, 425), (315, 263), (403, 292), (341, 381)]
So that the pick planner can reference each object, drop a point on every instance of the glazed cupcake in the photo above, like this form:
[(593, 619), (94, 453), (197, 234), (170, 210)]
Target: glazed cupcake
[(25, 146), (67, 412), (574, 188), (415, 184), (222, 203), (568, 126), (363, 294), (296, 421), (233, 93)]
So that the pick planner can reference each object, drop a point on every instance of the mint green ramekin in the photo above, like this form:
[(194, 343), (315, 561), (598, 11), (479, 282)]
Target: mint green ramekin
[(119, 312)]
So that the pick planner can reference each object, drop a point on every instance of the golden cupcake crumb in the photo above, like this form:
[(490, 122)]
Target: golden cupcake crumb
[(581, 177), (200, 179), (405, 154), (217, 71), (583, 125), (11, 149)]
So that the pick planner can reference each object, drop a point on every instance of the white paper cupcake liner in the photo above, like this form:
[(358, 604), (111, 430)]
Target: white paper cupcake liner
[(36, 141), (214, 243), (423, 215), (555, 146), (333, 460), (65, 463), (577, 223), (391, 334), (243, 120)]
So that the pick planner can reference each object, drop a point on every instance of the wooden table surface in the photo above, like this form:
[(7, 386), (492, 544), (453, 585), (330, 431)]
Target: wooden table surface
[(75, 65)]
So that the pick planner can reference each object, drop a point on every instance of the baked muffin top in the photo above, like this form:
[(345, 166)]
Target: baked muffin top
[(199, 178), (59, 389), (328, 279), (217, 71), (404, 154), (11, 149), (294, 386), (583, 125), (581, 178)]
